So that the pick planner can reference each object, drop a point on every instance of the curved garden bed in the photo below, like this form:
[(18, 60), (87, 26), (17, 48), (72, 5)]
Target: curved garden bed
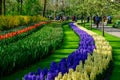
[(65, 64), (95, 63), (86, 70)]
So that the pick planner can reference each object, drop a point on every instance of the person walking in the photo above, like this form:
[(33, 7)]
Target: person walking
[(97, 20), (109, 18), (105, 20), (73, 18)]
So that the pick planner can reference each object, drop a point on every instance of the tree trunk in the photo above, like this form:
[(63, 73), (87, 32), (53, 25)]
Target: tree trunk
[(63, 7), (4, 7), (0, 7), (18, 7), (21, 7), (91, 22), (54, 14), (84, 21), (103, 27), (44, 8)]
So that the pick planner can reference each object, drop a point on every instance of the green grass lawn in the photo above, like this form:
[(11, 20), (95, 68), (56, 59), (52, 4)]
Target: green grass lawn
[(115, 43), (70, 44)]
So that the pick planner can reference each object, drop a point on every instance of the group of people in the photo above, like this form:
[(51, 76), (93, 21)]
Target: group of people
[(58, 17), (109, 19), (97, 19), (61, 17)]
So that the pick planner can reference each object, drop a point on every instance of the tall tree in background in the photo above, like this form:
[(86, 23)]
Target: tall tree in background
[(56, 9), (63, 6), (18, 6), (21, 1), (44, 8), (0, 7), (4, 7)]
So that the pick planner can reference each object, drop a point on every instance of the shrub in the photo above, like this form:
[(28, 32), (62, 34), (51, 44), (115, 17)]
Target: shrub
[(117, 24), (8, 22)]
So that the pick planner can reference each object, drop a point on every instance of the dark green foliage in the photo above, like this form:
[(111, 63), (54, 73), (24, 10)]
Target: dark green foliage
[(116, 24), (29, 49), (0, 7)]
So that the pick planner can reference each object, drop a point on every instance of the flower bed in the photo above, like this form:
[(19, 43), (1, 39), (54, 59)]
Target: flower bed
[(85, 48), (30, 49), (95, 63), (11, 34), (8, 22), (93, 66), (20, 34)]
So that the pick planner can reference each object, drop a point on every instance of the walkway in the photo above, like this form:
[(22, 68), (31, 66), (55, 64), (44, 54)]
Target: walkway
[(110, 30)]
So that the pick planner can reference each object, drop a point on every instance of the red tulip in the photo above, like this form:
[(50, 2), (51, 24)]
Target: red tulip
[(11, 34)]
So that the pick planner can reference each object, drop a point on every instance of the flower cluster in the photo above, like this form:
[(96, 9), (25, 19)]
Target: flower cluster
[(9, 22), (21, 31), (95, 63), (86, 47)]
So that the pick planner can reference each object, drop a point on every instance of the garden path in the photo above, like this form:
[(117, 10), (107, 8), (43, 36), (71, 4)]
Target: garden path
[(110, 30)]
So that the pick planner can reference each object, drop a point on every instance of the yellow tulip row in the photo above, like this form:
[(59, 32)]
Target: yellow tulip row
[(8, 22), (95, 63)]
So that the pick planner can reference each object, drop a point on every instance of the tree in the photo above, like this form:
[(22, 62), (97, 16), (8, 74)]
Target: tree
[(21, 1), (4, 6), (103, 8), (100, 7), (90, 9), (32, 7), (18, 7), (0, 7), (44, 8)]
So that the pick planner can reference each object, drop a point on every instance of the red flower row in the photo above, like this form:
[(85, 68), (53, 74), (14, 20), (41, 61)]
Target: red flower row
[(21, 31)]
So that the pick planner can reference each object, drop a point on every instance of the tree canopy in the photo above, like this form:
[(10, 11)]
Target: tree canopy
[(68, 7)]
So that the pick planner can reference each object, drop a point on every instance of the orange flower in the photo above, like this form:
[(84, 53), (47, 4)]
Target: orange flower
[(11, 34)]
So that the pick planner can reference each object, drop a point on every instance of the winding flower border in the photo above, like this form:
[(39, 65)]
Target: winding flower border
[(80, 64), (95, 63), (86, 47)]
